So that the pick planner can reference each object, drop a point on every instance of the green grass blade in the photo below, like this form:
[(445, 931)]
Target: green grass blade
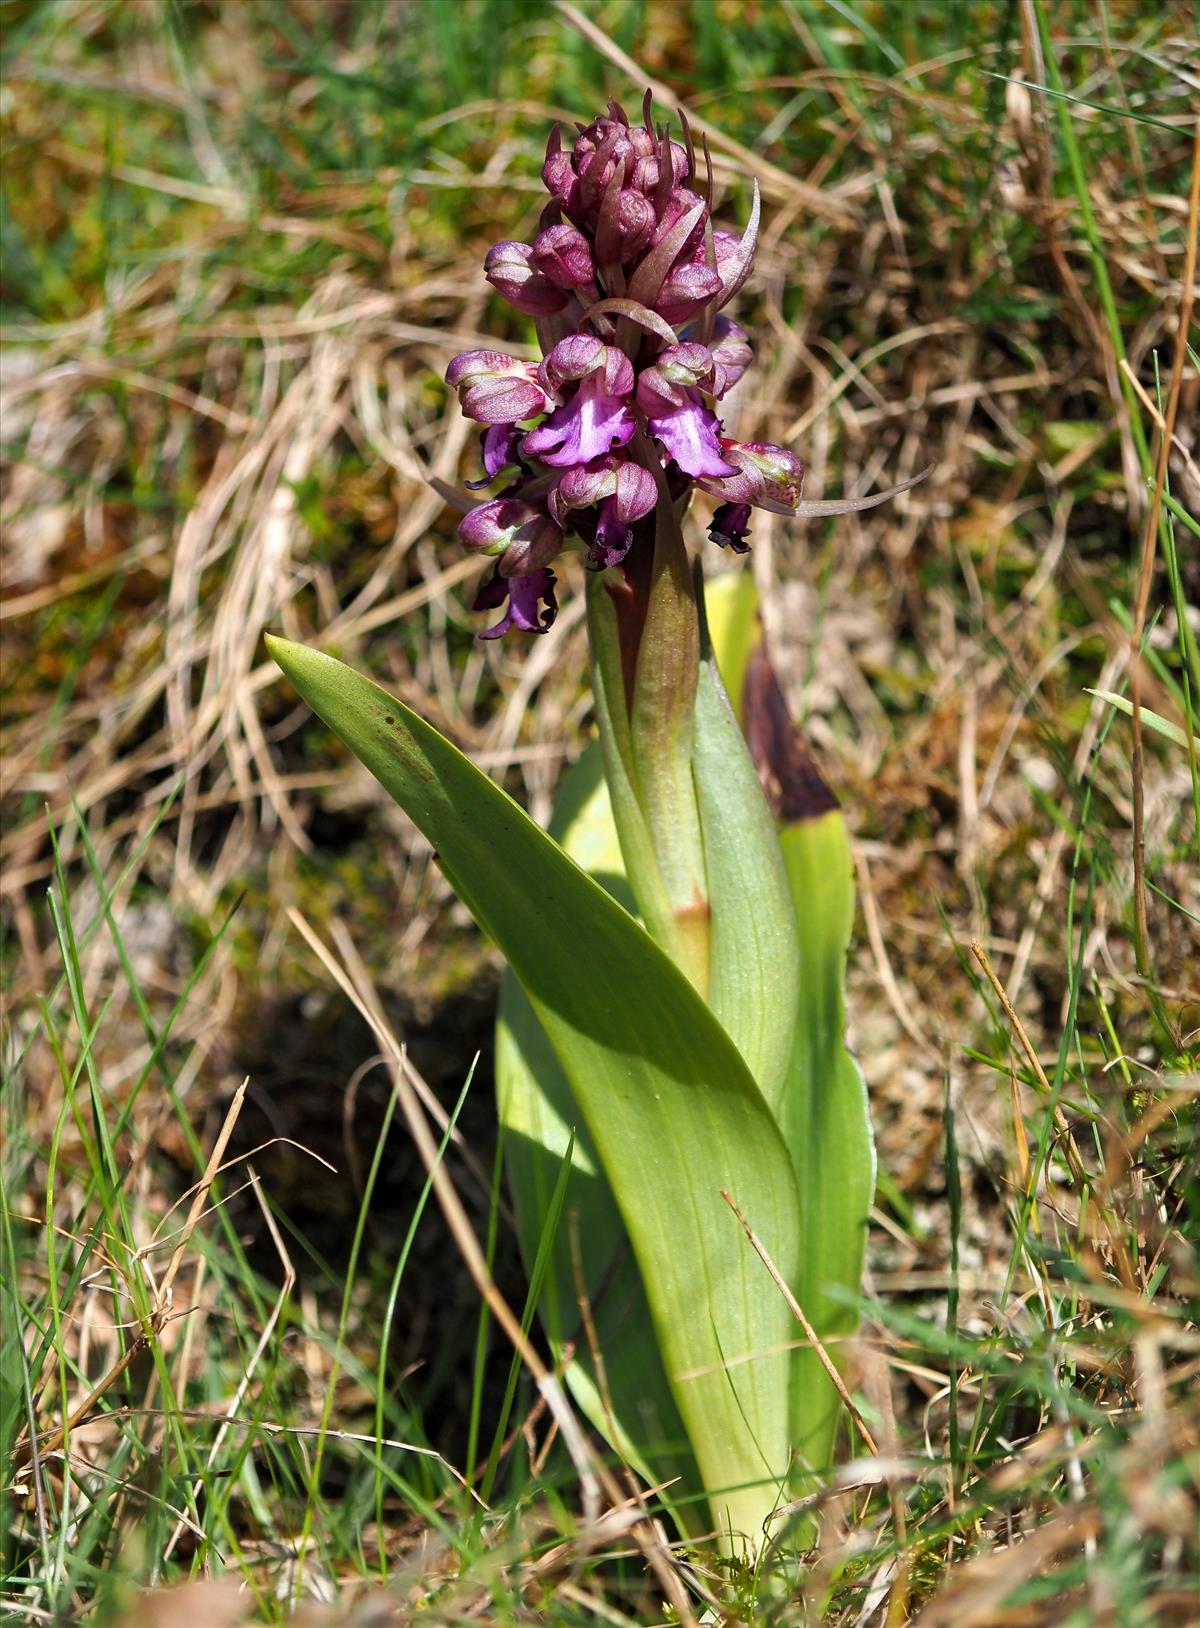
[(1153, 720)]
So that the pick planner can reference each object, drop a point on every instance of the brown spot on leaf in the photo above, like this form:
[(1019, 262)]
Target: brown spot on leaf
[(790, 777)]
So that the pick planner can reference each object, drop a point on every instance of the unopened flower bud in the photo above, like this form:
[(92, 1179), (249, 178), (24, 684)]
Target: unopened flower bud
[(625, 226), (686, 290), (731, 354), (509, 269), (494, 388), (680, 202), (648, 171), (524, 538), (559, 176), (564, 256), (596, 168)]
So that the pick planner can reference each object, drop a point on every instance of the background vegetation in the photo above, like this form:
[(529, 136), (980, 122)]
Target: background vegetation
[(241, 240)]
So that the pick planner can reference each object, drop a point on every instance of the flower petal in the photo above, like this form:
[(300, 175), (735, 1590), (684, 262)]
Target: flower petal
[(612, 540)]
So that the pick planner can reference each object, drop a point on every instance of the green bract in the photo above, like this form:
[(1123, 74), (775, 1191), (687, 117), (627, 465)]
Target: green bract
[(608, 1055)]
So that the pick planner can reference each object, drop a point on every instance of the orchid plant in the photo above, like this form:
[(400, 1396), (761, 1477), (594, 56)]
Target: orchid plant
[(670, 1033)]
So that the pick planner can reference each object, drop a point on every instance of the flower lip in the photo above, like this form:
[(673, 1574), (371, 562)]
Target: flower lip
[(730, 526), (587, 427), (691, 434), (597, 416), (612, 540), (523, 594), (500, 448)]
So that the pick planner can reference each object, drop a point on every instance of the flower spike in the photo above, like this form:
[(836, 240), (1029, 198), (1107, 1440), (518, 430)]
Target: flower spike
[(625, 255)]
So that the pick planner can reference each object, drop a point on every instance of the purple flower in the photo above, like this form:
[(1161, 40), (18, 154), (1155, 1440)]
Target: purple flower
[(524, 595), (626, 253), (766, 476), (624, 227), (669, 395), (494, 388), (597, 416), (619, 490), (623, 492), (525, 538)]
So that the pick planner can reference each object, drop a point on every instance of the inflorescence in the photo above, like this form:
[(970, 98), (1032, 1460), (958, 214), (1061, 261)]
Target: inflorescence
[(625, 280)]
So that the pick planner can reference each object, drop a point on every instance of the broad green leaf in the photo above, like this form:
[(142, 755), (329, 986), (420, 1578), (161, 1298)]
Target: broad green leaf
[(632, 1404), (734, 628), (673, 1113), (827, 1124), (823, 1109), (754, 971)]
